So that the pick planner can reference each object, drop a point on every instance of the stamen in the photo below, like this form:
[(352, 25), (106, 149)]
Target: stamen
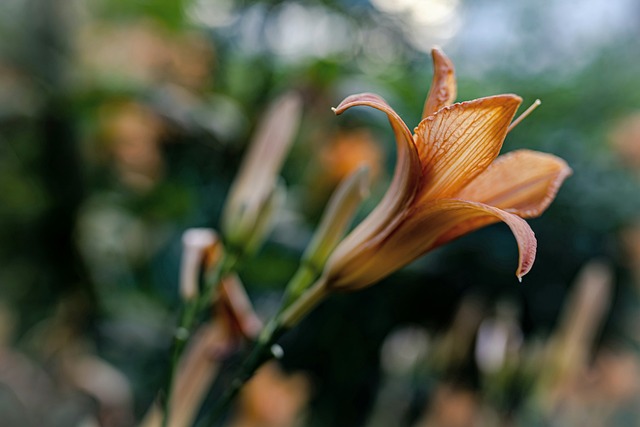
[(523, 115)]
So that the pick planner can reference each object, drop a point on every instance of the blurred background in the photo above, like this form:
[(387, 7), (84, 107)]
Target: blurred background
[(122, 124)]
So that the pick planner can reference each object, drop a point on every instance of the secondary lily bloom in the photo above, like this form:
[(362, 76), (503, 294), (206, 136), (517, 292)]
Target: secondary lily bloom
[(447, 182)]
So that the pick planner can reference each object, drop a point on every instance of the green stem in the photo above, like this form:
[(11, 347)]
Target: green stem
[(304, 304), (297, 285), (180, 338), (188, 322), (288, 316), (260, 354)]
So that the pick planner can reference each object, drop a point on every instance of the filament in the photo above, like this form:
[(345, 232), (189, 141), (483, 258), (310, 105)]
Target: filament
[(522, 116)]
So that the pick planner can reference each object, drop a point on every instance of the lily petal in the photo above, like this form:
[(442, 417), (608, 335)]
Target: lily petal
[(443, 86), (406, 178), (458, 142), (479, 215), (523, 182), (425, 227)]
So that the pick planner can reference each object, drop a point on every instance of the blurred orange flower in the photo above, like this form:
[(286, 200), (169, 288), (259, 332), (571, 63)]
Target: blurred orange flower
[(143, 52), (272, 398), (133, 133), (625, 139), (347, 151), (447, 183)]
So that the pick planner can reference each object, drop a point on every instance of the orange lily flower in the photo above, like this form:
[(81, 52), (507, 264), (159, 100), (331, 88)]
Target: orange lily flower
[(447, 183)]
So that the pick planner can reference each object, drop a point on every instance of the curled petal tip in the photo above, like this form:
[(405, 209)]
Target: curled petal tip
[(335, 110), (527, 257), (362, 99), (443, 86)]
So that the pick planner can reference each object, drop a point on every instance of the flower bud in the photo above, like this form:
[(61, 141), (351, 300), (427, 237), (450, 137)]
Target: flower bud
[(265, 219), (337, 217), (254, 187), (195, 242)]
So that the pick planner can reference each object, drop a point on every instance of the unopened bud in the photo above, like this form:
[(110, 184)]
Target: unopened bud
[(337, 217), (238, 309), (254, 186), (195, 242), (265, 220)]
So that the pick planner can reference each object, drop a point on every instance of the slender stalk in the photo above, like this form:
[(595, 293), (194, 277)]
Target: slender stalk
[(297, 285), (180, 338), (188, 322), (260, 354), (299, 298), (304, 304), (288, 316)]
